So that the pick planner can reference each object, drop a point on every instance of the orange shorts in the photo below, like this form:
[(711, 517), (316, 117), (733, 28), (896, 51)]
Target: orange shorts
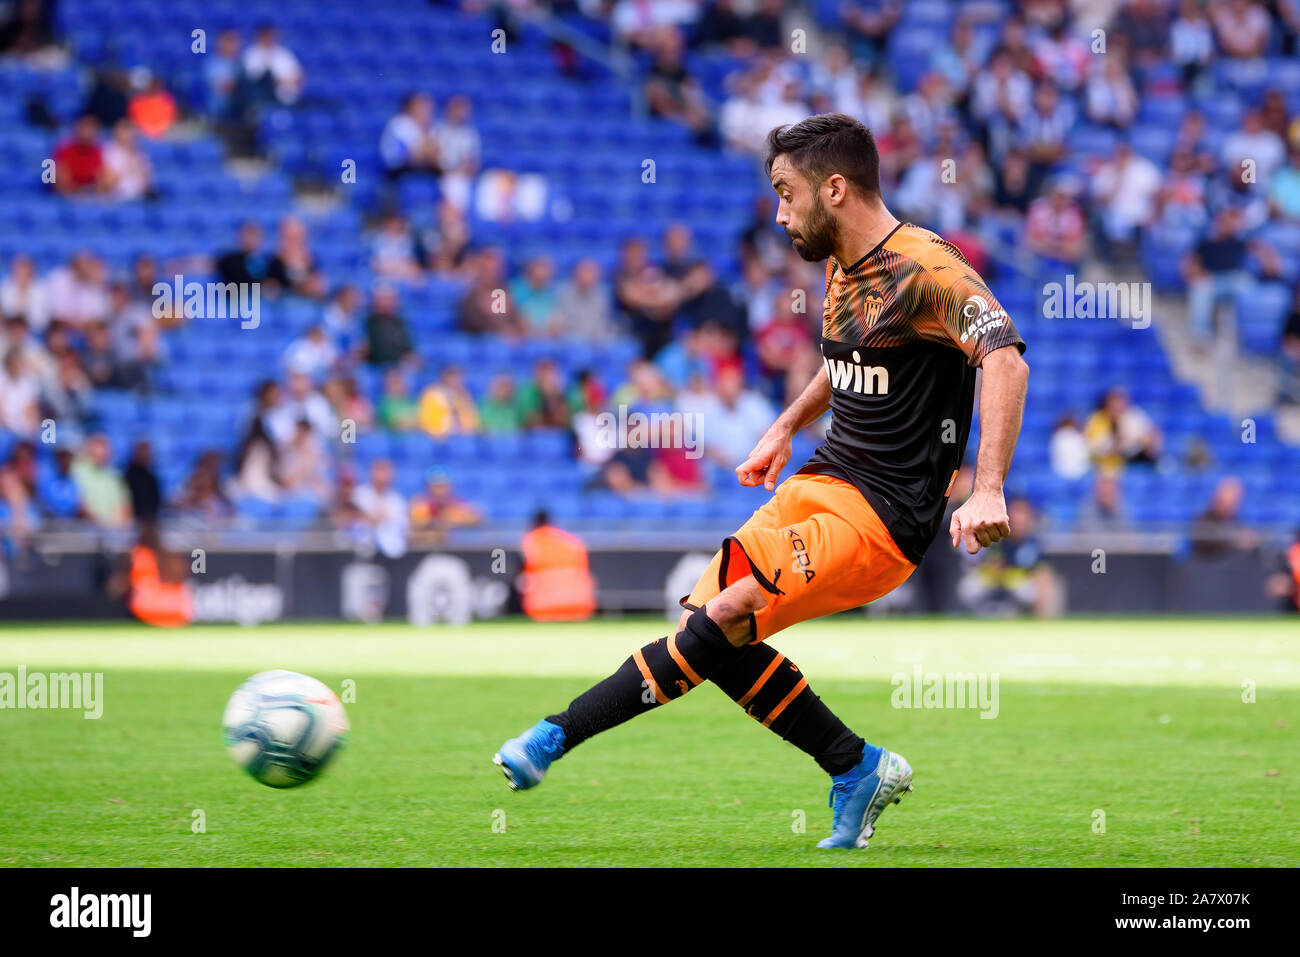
[(816, 547)]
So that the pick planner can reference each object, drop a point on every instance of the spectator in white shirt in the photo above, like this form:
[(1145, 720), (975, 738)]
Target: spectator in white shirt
[(873, 102), (642, 22), (1126, 186), (267, 56), (312, 355), (78, 292), (930, 109), (460, 151), (923, 196), (836, 76), (1191, 42), (963, 57), (1109, 95), (748, 115), (23, 293), (408, 143), (394, 252), (586, 304), (1242, 27), (221, 72), (341, 319), (1068, 450), (133, 328), (302, 402), (20, 392), (1003, 92), (17, 335), (304, 465), (733, 418), (1061, 56), (1254, 143), (384, 510), (128, 173)]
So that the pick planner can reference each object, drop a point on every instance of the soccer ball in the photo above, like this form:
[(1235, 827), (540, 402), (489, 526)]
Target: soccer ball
[(283, 728)]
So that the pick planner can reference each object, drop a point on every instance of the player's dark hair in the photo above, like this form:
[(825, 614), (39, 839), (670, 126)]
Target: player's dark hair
[(825, 144)]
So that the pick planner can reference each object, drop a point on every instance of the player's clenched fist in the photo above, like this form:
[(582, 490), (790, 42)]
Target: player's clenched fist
[(980, 522), (768, 458)]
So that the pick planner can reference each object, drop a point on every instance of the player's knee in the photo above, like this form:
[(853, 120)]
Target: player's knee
[(731, 610)]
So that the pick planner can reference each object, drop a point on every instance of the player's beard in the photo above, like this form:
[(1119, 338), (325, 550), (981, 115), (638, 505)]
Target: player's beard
[(816, 240)]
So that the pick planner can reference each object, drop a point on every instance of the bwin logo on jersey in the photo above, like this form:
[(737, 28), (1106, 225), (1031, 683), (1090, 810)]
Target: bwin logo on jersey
[(855, 377), (980, 317)]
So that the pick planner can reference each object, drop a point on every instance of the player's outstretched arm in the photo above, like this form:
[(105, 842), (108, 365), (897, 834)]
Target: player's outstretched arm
[(773, 450), (983, 520)]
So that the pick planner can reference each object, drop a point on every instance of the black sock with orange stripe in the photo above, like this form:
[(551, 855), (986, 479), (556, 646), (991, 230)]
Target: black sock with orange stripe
[(775, 693), (662, 671)]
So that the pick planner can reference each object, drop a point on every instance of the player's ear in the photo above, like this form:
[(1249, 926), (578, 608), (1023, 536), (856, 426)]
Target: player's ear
[(836, 189)]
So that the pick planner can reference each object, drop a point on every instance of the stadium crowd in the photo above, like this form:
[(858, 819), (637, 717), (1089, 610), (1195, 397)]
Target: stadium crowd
[(1000, 101)]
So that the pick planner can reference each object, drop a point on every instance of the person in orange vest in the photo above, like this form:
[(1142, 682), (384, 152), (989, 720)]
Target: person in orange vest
[(1284, 585), (153, 110), (556, 584), (158, 593), (1293, 562)]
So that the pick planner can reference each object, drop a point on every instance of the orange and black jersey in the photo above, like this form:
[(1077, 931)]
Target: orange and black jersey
[(903, 331)]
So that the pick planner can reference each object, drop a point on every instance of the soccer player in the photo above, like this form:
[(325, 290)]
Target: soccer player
[(905, 325)]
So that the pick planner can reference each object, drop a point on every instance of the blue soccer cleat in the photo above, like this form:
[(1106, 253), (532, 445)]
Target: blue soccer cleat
[(859, 796), (524, 760)]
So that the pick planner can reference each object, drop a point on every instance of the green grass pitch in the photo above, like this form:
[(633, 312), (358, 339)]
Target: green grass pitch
[(1142, 721)]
